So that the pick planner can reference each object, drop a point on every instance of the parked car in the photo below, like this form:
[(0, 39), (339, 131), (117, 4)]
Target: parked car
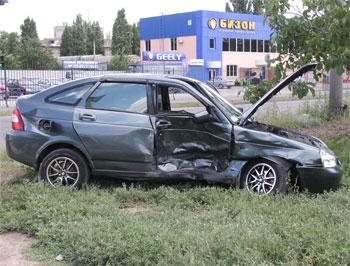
[(4, 92), (15, 87), (45, 83), (130, 126), (222, 82), (33, 87)]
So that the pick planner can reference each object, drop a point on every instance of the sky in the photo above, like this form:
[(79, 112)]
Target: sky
[(49, 13)]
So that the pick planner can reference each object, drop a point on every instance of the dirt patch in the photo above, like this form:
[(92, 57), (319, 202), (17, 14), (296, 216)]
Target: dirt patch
[(327, 131), (12, 246)]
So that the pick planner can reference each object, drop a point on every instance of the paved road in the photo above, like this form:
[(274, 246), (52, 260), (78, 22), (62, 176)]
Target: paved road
[(5, 124)]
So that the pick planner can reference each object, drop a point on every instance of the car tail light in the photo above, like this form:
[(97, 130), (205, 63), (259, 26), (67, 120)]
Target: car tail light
[(17, 122)]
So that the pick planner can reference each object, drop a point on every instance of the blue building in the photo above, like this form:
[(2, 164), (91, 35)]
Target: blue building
[(203, 44)]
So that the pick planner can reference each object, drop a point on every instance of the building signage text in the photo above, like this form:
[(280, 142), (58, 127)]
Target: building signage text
[(89, 64), (163, 56), (231, 24)]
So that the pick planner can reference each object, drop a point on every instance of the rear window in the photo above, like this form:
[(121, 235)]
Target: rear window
[(130, 97), (72, 95)]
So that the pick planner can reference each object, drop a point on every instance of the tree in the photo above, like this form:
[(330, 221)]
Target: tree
[(95, 41), (121, 35), (32, 56), (228, 8), (119, 62), (79, 36), (29, 51), (28, 30), (135, 38), (66, 47), (8, 42), (82, 38), (316, 33), (246, 6)]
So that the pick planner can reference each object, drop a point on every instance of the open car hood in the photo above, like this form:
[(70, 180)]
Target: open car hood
[(282, 84)]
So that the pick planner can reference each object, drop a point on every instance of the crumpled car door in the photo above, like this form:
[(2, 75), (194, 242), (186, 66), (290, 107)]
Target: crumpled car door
[(189, 138)]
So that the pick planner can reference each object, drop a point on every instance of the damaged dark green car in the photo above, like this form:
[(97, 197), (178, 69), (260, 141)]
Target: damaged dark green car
[(135, 126)]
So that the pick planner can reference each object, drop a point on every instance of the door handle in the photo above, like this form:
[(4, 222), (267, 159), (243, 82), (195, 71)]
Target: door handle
[(87, 117), (163, 124)]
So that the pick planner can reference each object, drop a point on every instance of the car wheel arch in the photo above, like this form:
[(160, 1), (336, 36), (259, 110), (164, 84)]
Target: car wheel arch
[(55, 146), (65, 167), (279, 162)]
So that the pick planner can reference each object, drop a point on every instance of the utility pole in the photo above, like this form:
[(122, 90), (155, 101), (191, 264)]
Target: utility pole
[(2, 66)]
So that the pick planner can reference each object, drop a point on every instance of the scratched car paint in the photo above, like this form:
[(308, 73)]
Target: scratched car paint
[(132, 126)]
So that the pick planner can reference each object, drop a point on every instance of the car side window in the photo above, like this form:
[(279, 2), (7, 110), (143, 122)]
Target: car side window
[(72, 95), (177, 100), (130, 97)]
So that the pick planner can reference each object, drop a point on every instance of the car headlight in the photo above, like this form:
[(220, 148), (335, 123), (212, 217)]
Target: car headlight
[(328, 158)]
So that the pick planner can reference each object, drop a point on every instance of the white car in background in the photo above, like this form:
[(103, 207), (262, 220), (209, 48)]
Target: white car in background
[(222, 82)]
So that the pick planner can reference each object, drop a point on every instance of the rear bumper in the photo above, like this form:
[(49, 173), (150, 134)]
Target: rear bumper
[(22, 146)]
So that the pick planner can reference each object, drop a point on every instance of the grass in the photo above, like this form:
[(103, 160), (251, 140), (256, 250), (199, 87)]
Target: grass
[(111, 222), (5, 113)]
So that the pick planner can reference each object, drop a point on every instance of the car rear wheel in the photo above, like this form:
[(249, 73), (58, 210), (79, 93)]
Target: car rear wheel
[(264, 177), (64, 167)]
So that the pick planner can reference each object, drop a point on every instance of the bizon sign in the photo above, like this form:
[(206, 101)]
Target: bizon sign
[(163, 56)]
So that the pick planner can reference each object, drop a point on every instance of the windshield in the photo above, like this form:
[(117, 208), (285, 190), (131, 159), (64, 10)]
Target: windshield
[(227, 108)]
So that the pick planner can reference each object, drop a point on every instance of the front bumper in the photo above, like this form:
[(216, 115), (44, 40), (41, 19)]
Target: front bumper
[(320, 179)]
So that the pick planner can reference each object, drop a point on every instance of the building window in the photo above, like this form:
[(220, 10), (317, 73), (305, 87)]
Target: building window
[(225, 43), (266, 46), (148, 45), (253, 46), (212, 43), (246, 45), (239, 45), (233, 45), (173, 44), (231, 70), (260, 46)]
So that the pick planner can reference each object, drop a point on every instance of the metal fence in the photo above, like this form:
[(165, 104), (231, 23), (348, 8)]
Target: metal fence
[(32, 81), (20, 82)]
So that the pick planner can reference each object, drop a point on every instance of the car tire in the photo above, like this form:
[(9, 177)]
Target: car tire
[(65, 167), (264, 177), (220, 86)]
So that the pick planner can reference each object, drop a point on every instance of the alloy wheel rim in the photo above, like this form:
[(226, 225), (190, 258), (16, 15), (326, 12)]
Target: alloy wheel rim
[(62, 171), (261, 179)]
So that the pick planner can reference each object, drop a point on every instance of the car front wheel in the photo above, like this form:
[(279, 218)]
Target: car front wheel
[(264, 177), (64, 167)]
